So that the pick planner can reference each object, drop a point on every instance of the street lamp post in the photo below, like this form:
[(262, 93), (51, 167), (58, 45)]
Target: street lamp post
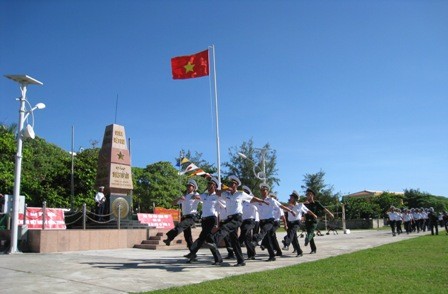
[(261, 175), (24, 81)]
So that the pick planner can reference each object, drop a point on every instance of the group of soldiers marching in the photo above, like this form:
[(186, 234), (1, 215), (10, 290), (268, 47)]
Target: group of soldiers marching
[(237, 218), (416, 220)]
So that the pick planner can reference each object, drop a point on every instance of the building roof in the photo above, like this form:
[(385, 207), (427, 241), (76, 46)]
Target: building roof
[(369, 193)]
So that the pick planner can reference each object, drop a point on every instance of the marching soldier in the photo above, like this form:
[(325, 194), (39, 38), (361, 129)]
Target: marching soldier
[(267, 220), (209, 219), (294, 222), (310, 220), (189, 204), (250, 214)]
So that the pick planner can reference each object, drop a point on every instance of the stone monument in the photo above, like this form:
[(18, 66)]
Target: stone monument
[(114, 171)]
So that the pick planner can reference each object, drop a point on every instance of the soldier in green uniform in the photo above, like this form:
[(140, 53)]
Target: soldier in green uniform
[(311, 220)]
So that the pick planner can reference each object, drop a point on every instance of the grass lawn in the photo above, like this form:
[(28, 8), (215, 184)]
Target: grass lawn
[(418, 265)]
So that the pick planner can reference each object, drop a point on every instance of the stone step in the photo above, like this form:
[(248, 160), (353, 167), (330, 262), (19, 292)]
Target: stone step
[(155, 240)]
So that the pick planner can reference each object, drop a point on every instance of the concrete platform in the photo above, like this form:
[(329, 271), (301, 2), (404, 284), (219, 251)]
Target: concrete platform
[(136, 270)]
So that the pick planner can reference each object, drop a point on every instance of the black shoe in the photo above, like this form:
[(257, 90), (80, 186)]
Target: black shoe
[(167, 242), (286, 248), (192, 256), (189, 255), (299, 254), (313, 252), (279, 254), (217, 262), (306, 241), (240, 264), (191, 260), (251, 258), (230, 256), (262, 247), (294, 251), (254, 243), (271, 259)]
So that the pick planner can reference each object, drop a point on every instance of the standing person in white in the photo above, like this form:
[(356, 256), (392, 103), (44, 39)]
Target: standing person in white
[(100, 200)]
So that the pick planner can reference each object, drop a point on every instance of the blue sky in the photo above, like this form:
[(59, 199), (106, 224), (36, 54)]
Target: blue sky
[(357, 89)]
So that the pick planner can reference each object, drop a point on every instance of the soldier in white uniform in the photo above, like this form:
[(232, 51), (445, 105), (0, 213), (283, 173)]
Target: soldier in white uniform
[(250, 214), (399, 220), (392, 219), (267, 220), (189, 204), (279, 216), (407, 220), (294, 222), (222, 218), (209, 218)]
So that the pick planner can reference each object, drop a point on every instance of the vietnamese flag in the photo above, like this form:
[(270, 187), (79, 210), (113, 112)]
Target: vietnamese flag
[(190, 66)]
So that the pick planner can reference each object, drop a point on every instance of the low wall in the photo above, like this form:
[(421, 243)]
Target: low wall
[(364, 223), (46, 241)]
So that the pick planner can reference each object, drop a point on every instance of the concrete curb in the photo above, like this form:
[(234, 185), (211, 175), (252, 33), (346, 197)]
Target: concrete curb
[(137, 270)]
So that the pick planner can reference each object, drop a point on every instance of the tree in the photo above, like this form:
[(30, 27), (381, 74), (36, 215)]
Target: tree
[(85, 170), (244, 168), (356, 208), (44, 174), (157, 184), (414, 198), (7, 159), (324, 192), (385, 201)]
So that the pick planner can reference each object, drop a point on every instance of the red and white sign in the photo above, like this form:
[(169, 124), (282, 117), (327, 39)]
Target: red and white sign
[(160, 221), (54, 218), (175, 213)]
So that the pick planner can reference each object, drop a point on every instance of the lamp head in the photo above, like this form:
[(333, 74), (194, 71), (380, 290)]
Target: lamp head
[(242, 155), (28, 132), (40, 106)]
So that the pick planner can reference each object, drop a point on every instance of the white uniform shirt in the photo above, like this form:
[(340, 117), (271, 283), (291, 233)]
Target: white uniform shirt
[(222, 211), (267, 211), (234, 202), (250, 211), (278, 213), (209, 204), (299, 209), (407, 217), (99, 197), (189, 204), (392, 216)]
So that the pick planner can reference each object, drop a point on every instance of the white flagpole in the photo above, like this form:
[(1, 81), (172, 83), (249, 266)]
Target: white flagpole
[(218, 153)]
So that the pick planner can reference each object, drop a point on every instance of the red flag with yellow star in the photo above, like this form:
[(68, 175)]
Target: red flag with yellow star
[(190, 66)]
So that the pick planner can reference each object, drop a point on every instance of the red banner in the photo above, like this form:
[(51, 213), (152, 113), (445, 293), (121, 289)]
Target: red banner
[(160, 221), (175, 213), (54, 218)]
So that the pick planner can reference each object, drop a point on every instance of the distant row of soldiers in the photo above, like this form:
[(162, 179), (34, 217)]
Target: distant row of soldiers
[(416, 220)]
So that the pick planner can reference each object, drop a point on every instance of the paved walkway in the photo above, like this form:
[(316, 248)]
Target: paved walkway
[(136, 270)]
